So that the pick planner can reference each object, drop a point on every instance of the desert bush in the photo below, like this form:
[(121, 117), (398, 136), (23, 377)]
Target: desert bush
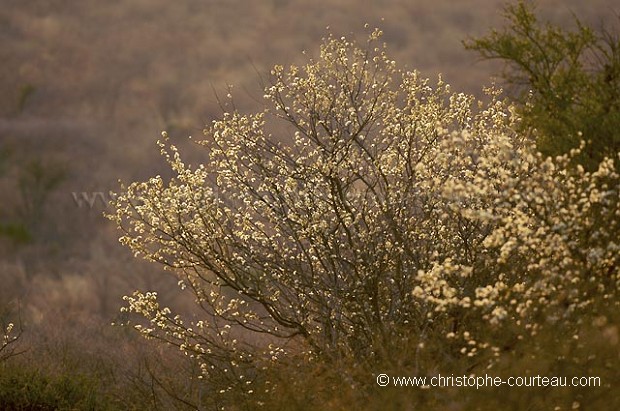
[(567, 82), (369, 220)]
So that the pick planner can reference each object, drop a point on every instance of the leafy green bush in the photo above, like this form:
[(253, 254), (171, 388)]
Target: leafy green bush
[(567, 82)]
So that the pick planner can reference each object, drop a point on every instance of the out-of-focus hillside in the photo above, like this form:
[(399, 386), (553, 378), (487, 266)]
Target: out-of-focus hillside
[(105, 77), (87, 86), (139, 60)]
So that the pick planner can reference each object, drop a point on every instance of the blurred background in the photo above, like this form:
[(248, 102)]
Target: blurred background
[(86, 87)]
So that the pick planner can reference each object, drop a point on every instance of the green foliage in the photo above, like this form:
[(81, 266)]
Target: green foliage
[(567, 82), (32, 389), (16, 232)]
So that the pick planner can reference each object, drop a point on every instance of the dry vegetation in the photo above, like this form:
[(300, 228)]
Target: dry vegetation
[(85, 89)]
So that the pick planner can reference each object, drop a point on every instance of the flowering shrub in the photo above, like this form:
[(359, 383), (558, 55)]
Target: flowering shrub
[(368, 217)]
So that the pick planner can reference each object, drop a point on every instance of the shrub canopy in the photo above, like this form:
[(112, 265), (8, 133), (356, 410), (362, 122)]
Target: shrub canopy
[(368, 217)]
